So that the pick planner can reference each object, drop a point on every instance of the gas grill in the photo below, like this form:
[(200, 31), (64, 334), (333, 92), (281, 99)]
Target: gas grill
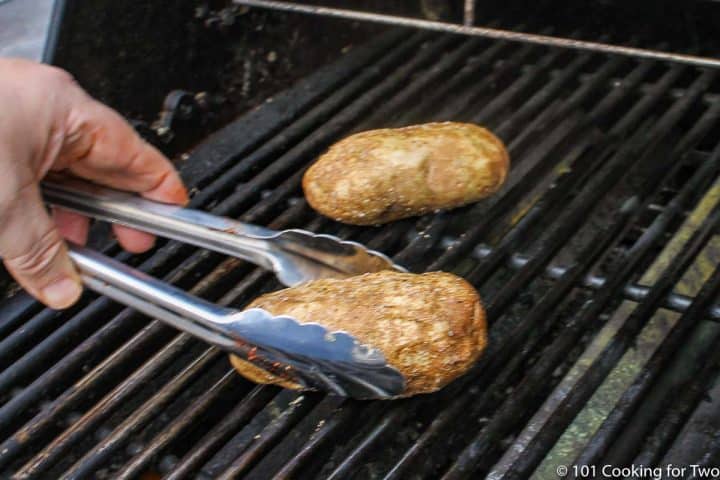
[(597, 261)]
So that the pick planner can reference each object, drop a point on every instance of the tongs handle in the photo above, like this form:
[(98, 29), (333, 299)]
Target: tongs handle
[(149, 295), (171, 221)]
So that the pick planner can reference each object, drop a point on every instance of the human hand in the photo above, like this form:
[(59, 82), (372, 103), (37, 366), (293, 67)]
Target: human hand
[(48, 123)]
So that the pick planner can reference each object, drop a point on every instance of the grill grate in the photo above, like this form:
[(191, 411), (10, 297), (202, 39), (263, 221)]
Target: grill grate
[(606, 168)]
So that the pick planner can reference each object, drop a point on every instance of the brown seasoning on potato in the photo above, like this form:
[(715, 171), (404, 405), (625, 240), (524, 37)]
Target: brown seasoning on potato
[(431, 327), (383, 175)]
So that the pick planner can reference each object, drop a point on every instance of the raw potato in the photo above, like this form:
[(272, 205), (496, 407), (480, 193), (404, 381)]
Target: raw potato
[(431, 327), (383, 175)]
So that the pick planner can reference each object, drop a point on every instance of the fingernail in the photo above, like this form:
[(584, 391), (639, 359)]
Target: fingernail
[(62, 293)]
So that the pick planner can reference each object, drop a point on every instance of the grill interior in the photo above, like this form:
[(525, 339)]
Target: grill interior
[(596, 263)]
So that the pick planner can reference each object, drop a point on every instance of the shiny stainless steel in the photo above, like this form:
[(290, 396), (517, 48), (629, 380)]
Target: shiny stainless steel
[(483, 32), (306, 354), (296, 256)]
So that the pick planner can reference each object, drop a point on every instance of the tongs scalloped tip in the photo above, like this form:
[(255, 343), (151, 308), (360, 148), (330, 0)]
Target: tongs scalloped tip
[(337, 361)]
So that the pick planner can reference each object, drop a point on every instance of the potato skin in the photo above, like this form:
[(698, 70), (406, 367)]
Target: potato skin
[(383, 175), (431, 327)]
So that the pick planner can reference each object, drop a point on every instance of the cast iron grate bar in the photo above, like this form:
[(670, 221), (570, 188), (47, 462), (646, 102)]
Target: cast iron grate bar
[(632, 397), (680, 410), (531, 449), (493, 353)]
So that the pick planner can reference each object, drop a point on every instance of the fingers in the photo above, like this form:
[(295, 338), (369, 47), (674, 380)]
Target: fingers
[(33, 250), (102, 147), (50, 123), (74, 227), (71, 225), (132, 240)]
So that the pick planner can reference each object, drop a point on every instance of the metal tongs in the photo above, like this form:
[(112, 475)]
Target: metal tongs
[(306, 354)]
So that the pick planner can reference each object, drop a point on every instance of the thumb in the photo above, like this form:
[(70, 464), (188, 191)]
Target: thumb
[(33, 250)]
